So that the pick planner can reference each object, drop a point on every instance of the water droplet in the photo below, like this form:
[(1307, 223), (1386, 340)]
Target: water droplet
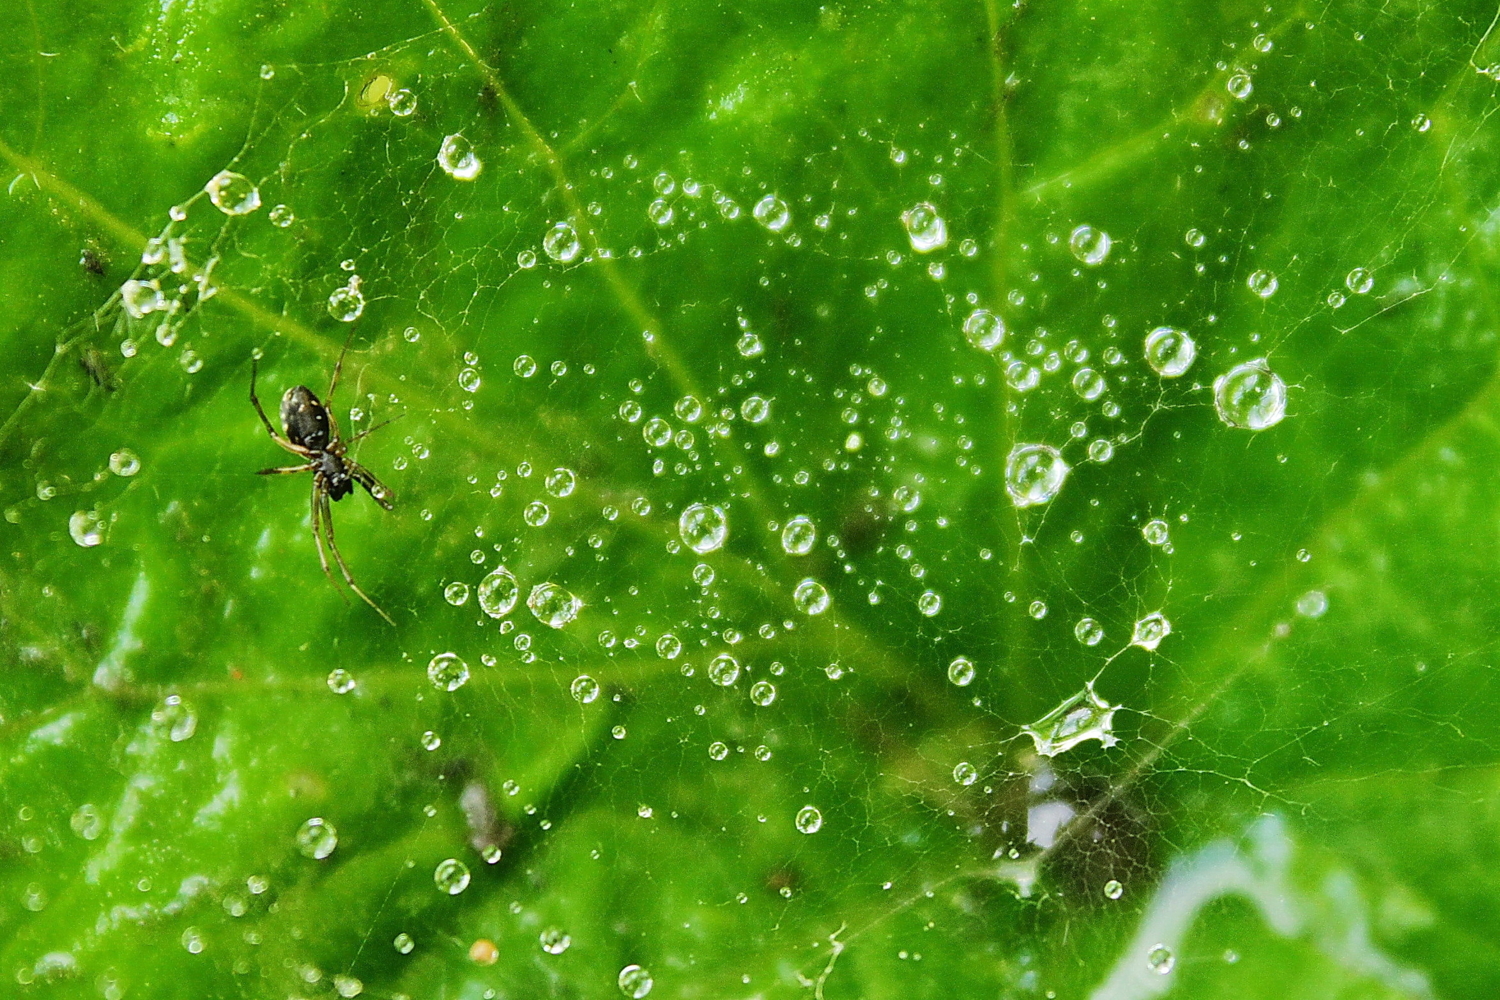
[(346, 303), (1089, 245), (1239, 85), (810, 597), (809, 819), (498, 592), (232, 193), (755, 409), (584, 689), (1155, 532), (340, 681), (668, 646), (703, 528), (1262, 283), (536, 514), (176, 717), (525, 366), (561, 242), (1359, 281), (1170, 351), (552, 605), (657, 432), (772, 213), (403, 943), (1150, 631), (1037, 610), (87, 822), (724, 670), (87, 527), (635, 982), (281, 216), (457, 158), (703, 574), (317, 838), (929, 602), (1250, 396), (1160, 959), (1312, 604), (1113, 889), (1084, 716), (925, 227), (468, 380), (451, 876), (1101, 450), (555, 941), (984, 330), (1088, 383), (660, 212), (124, 463), (141, 298), (1088, 632), (561, 482), (430, 740), (1421, 123), (750, 345), (1034, 473), (961, 671), (763, 693), (718, 750), (965, 773), (402, 102), (447, 672), (798, 536)]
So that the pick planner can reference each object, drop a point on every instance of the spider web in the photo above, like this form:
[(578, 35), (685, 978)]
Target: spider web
[(775, 681)]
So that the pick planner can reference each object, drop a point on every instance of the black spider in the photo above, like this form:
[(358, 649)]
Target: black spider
[(313, 433)]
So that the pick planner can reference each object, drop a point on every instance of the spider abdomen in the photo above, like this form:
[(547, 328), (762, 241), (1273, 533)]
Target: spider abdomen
[(304, 419)]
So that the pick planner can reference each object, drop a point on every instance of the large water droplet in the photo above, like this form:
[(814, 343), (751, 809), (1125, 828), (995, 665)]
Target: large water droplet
[(561, 242), (1250, 396), (1156, 532), (724, 670), (984, 330), (703, 528), (317, 838), (552, 605), (498, 592), (1170, 351), (668, 647), (232, 193), (809, 819), (457, 158), (555, 941), (141, 298), (447, 672), (1088, 632), (87, 822), (1085, 716), (635, 981), (810, 597), (798, 536), (961, 671), (584, 689), (1150, 631), (1089, 245), (124, 463), (87, 527), (451, 876), (1262, 283), (1034, 473), (925, 228), (1359, 281), (1239, 85), (965, 773), (763, 693), (1088, 383), (1160, 960), (772, 213), (561, 482), (346, 303)]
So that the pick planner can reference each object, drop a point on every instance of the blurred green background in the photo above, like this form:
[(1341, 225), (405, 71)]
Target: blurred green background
[(711, 334)]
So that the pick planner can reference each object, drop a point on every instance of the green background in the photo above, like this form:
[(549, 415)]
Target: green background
[(1301, 803)]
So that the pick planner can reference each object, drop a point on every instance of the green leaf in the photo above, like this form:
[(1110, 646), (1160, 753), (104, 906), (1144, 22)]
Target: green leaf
[(996, 500)]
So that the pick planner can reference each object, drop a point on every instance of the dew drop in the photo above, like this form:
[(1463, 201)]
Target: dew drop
[(555, 941), (451, 876), (668, 647), (87, 527), (124, 463), (561, 242), (1088, 383), (1150, 631), (810, 597), (524, 366), (232, 193), (1084, 716), (718, 750), (703, 528), (468, 380), (430, 740), (961, 671), (1250, 396), (1160, 959), (1088, 632), (763, 693), (87, 822), (403, 943), (1089, 245), (1155, 532), (536, 514), (402, 102), (657, 432), (340, 681), (925, 228), (317, 838), (635, 982), (809, 819), (1359, 281), (457, 158), (498, 592), (1113, 889), (965, 773), (447, 672), (346, 303), (724, 670), (930, 602), (1170, 351), (584, 689), (755, 409), (984, 330), (1262, 283), (1312, 604), (772, 213), (282, 216), (660, 212), (798, 536), (141, 298), (1034, 473), (1239, 85), (552, 605)]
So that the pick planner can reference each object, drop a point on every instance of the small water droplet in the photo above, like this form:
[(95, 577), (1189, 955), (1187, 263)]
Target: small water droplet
[(316, 838), (772, 213), (402, 102), (1239, 85), (1088, 383), (87, 822), (718, 750), (1089, 245), (552, 605), (451, 876), (1312, 604), (755, 409), (1170, 351), (724, 670), (925, 228), (961, 671), (457, 158), (584, 689), (555, 941), (798, 536), (965, 773), (1262, 283), (1160, 959), (340, 681), (1034, 473), (447, 672), (810, 597), (1359, 281), (232, 193), (87, 527), (635, 982), (403, 943), (141, 298), (498, 592), (929, 603), (703, 528), (1155, 532), (763, 693), (1113, 889), (809, 819), (1084, 716), (536, 514), (561, 242), (1088, 632), (468, 380), (1150, 631), (346, 303), (984, 330), (668, 647)]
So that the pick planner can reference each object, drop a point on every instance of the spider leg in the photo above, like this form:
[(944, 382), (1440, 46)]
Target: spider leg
[(271, 430), (338, 366), (377, 490), (287, 469), (371, 430), (318, 498), (343, 567)]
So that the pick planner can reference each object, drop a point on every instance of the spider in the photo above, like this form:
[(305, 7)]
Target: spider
[(312, 433)]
